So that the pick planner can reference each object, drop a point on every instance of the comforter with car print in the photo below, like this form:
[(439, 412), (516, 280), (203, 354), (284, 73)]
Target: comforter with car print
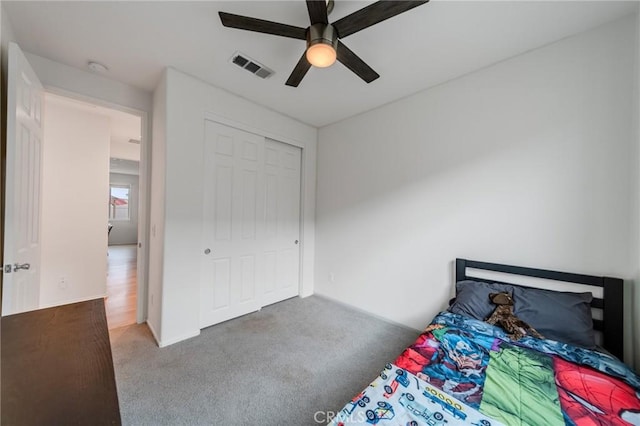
[(464, 371)]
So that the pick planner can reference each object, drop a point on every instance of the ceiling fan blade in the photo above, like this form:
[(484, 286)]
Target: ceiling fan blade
[(355, 64), (262, 26), (372, 14), (299, 71), (317, 11)]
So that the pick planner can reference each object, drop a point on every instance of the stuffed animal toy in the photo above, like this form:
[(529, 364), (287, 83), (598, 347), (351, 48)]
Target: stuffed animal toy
[(504, 317)]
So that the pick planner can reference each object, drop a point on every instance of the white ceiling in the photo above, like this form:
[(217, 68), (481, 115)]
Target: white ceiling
[(424, 47)]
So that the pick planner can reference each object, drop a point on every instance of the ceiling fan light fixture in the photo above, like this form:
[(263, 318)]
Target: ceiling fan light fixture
[(323, 47), (322, 41), (321, 55)]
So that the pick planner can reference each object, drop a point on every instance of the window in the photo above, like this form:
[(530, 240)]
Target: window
[(119, 202)]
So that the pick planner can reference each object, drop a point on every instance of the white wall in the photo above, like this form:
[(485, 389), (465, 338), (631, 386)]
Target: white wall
[(60, 77), (633, 302), (6, 36), (188, 102), (527, 162), (125, 231), (75, 188), (125, 150), (157, 208)]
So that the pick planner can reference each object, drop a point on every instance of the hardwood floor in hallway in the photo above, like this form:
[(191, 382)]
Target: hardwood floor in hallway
[(122, 286)]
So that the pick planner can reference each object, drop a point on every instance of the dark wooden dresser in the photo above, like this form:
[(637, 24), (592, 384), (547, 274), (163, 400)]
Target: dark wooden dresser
[(57, 367)]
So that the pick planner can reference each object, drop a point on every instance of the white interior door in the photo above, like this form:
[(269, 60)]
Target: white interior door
[(21, 281), (282, 221), (232, 225)]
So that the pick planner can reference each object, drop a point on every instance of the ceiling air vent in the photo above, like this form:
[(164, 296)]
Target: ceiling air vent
[(254, 67)]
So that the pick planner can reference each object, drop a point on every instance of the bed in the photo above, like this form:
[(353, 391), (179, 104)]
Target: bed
[(462, 370)]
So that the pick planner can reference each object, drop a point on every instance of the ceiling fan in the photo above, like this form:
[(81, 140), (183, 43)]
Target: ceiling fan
[(323, 38)]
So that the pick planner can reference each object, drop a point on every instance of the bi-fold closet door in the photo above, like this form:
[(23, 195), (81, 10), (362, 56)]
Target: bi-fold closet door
[(251, 223)]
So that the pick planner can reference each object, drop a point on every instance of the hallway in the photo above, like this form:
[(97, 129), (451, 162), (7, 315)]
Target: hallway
[(122, 286)]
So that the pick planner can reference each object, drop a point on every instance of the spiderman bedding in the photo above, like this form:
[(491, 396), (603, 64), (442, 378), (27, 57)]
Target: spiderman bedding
[(465, 371)]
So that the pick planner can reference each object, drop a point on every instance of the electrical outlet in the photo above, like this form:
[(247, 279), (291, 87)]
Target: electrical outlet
[(62, 283), (332, 277)]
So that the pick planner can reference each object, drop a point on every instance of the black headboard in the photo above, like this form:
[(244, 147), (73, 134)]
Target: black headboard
[(611, 303)]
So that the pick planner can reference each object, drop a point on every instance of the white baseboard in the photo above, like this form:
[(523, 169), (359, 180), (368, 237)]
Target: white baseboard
[(153, 332), (69, 302), (364, 311), (304, 295), (165, 343)]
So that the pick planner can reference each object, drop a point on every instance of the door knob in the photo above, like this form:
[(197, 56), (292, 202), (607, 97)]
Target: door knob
[(207, 251), (296, 241), (18, 266)]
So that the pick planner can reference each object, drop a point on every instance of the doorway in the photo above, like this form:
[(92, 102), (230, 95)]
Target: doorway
[(90, 199), (57, 193), (124, 199), (122, 285)]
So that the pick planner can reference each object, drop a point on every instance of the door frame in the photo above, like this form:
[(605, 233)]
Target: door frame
[(143, 190), (303, 182)]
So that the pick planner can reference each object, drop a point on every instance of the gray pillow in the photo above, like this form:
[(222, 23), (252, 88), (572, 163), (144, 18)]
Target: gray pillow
[(565, 317), (472, 298)]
